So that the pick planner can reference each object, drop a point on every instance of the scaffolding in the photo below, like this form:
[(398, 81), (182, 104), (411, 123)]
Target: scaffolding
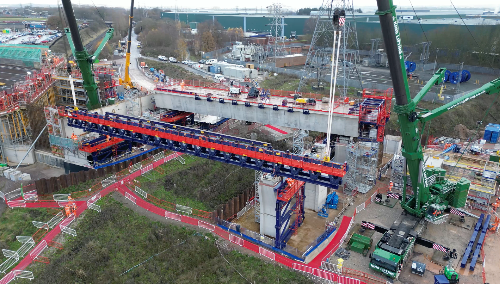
[(298, 141), (15, 128), (105, 77), (256, 207), (362, 159), (29, 90)]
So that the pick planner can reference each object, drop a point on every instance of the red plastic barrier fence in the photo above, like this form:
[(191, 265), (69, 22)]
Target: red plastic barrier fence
[(311, 268)]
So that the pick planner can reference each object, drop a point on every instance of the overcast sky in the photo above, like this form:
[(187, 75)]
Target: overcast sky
[(251, 5)]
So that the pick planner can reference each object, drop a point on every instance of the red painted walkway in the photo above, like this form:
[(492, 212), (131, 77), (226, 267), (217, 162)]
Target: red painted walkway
[(120, 186), (276, 129)]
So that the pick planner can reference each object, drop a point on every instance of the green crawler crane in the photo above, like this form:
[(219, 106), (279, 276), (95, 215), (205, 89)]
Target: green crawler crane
[(83, 58), (432, 192)]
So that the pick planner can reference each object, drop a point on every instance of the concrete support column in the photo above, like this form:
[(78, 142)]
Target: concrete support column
[(315, 196), (267, 198)]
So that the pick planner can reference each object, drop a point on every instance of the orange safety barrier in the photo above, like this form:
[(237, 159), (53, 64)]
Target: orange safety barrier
[(38, 235), (42, 259), (54, 244), (366, 277), (162, 203)]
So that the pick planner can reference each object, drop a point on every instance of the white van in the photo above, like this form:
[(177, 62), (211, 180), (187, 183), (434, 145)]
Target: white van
[(211, 61)]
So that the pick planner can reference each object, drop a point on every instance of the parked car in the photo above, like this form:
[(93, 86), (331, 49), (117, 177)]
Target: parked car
[(202, 61), (162, 58), (211, 61), (172, 60)]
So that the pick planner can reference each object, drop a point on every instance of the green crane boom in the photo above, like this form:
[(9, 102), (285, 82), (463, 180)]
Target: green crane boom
[(83, 58), (409, 120)]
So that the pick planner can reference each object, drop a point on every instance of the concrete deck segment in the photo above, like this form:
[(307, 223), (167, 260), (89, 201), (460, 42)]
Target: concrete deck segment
[(343, 123)]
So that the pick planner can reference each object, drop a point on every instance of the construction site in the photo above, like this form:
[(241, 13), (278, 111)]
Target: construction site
[(311, 180)]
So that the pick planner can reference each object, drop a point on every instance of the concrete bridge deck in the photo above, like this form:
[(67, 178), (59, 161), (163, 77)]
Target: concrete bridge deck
[(218, 102)]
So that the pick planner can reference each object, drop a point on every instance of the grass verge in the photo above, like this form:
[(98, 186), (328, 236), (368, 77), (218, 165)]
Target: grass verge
[(173, 71), (17, 222), (120, 246)]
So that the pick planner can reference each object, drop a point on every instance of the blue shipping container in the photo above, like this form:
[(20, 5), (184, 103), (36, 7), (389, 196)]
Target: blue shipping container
[(492, 133), (494, 137), (487, 134)]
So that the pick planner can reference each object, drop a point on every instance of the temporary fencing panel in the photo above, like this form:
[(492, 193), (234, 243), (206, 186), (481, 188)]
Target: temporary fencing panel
[(7, 278), (55, 220), (141, 192), (10, 253), (267, 253), (130, 197), (24, 274), (172, 216), (7, 264), (16, 203), (206, 225), (184, 209), (236, 240), (38, 249)]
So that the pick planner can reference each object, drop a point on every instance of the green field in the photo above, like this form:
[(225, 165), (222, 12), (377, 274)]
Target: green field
[(120, 246), (199, 183)]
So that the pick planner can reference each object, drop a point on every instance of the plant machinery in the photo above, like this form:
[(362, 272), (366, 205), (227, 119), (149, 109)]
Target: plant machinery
[(431, 194), (84, 60), (127, 80)]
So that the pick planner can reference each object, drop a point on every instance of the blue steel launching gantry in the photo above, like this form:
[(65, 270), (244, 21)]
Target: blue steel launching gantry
[(215, 146), (104, 148), (289, 204)]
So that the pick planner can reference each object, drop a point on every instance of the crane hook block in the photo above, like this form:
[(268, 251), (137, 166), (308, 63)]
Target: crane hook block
[(338, 17)]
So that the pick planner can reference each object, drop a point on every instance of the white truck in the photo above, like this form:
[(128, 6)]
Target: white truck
[(234, 91)]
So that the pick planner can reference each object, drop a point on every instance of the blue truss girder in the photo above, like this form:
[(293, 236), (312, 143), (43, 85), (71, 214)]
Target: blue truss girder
[(239, 160)]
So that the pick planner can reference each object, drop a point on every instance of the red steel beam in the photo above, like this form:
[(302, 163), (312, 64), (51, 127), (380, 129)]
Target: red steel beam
[(290, 190), (261, 154), (91, 149)]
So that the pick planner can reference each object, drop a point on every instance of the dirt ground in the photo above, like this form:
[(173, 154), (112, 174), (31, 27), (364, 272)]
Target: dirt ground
[(492, 251), (311, 229), (448, 235)]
